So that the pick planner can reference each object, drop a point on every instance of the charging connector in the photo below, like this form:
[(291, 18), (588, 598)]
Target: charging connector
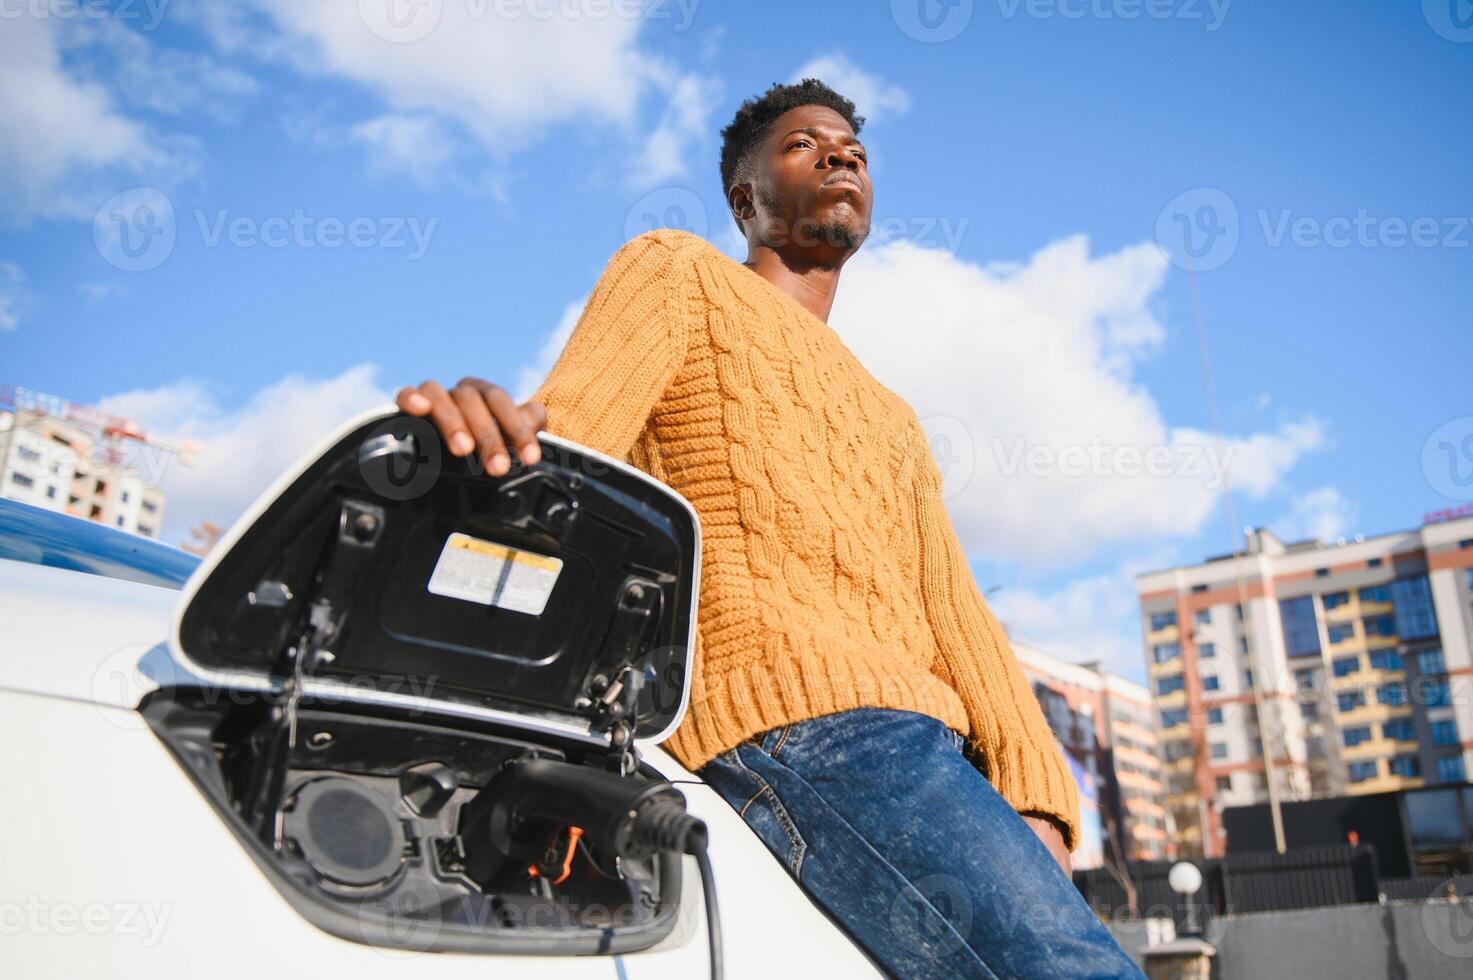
[(532, 800)]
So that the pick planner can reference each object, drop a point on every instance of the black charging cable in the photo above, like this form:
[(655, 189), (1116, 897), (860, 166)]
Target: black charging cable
[(624, 816), (665, 825)]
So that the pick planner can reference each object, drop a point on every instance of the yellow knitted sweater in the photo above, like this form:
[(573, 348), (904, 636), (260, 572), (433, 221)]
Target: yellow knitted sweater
[(831, 577)]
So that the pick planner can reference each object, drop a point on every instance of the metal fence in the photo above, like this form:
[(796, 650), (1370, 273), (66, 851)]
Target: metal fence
[(1255, 881)]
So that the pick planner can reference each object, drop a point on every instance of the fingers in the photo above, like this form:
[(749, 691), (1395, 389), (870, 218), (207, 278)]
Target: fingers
[(514, 423), (412, 402), (478, 415), (447, 419), (536, 414)]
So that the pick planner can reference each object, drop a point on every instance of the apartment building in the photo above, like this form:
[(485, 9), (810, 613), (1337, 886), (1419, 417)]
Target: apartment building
[(1104, 722), (49, 462), (1347, 666)]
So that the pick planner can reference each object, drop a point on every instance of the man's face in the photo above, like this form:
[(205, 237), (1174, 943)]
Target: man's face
[(810, 187)]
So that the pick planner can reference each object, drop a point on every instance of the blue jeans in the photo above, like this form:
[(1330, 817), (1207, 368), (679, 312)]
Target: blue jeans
[(889, 827)]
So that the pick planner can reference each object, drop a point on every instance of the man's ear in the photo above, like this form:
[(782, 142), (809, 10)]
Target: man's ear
[(739, 199)]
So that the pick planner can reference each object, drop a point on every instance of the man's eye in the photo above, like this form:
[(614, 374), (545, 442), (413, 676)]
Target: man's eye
[(798, 143)]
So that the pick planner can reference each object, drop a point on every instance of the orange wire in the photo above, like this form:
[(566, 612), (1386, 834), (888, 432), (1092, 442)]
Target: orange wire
[(573, 834)]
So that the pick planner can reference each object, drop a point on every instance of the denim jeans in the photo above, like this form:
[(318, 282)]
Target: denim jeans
[(892, 830)]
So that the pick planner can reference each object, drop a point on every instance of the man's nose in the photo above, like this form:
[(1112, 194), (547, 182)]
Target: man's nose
[(842, 156)]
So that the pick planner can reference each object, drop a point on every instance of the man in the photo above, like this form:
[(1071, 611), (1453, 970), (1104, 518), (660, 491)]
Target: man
[(849, 680)]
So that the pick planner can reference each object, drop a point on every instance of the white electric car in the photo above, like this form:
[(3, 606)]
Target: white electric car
[(403, 721)]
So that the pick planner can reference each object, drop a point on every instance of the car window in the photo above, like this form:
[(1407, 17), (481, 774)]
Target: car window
[(43, 537)]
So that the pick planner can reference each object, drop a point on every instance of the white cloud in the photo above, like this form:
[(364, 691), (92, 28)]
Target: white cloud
[(151, 76), (244, 448), (1322, 514), (1090, 618), (414, 145), (504, 80), (10, 280), (532, 375), (57, 131), (873, 97), (1023, 376)]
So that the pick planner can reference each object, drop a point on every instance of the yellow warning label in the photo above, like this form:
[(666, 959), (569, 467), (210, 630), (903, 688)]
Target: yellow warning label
[(493, 574)]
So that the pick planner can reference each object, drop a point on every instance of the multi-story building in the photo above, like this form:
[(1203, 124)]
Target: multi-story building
[(1347, 666), (50, 462), (1105, 724)]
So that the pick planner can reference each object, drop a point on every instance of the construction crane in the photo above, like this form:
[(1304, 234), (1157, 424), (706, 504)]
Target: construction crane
[(114, 429)]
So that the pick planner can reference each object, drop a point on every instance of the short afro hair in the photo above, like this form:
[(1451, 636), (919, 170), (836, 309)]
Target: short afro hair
[(755, 118)]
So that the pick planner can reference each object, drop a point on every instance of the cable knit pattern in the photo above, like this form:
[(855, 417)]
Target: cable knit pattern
[(831, 575)]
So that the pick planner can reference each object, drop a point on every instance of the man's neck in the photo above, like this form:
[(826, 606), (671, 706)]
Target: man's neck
[(814, 286)]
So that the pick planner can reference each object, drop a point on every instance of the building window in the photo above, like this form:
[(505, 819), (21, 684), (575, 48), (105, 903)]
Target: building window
[(1202, 617), (1445, 732), (1200, 587), (1321, 573), (1350, 700), (1224, 784), (1359, 772), (1165, 651), (1345, 666), (1301, 632), (1214, 716), (1380, 626), (1238, 611), (1309, 710), (1354, 736), (1219, 750), (1406, 766), (1385, 660), (28, 454), (120, 520), (51, 492), (1466, 543), (1340, 632), (1161, 620), (1170, 683), (1414, 616), (1376, 593), (125, 496), (1468, 576), (1210, 682), (1207, 650), (1399, 730), (1248, 678), (149, 506), (1172, 717), (1394, 693), (21, 480), (1437, 695), (1430, 662), (1450, 770), (1374, 563), (1242, 644), (1334, 599)]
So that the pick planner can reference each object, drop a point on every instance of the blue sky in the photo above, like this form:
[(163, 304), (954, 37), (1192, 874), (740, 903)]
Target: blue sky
[(1032, 162)]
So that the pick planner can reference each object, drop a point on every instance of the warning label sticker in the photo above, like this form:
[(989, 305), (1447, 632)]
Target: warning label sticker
[(494, 575)]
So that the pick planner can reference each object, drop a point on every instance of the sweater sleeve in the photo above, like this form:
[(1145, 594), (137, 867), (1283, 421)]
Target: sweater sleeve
[(1009, 734), (624, 351)]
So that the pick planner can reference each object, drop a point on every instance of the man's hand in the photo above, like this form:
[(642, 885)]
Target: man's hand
[(478, 415), (1053, 838)]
